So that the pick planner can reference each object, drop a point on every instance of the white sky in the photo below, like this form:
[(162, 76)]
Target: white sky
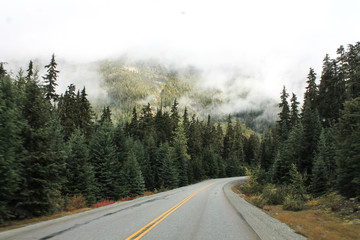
[(274, 42)]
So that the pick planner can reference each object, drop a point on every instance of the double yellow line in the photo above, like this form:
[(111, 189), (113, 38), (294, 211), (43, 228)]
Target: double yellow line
[(139, 234)]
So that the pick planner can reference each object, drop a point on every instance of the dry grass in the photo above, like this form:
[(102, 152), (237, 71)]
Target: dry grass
[(313, 223)]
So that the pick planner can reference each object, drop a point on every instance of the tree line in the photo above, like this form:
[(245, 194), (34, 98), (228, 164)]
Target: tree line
[(53, 147), (319, 143)]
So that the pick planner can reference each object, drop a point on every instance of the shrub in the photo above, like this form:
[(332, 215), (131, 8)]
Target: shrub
[(75, 202), (257, 201), (256, 181), (273, 195), (292, 203)]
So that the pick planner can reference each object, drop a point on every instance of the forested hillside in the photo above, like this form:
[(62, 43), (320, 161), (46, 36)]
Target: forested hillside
[(315, 149), (53, 150), (136, 83)]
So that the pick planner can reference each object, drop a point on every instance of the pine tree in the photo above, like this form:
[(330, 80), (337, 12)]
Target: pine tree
[(283, 124), (133, 127), (103, 159), (105, 116), (133, 181), (174, 116), (181, 156), (353, 63), (146, 122), (3, 72), (79, 172), (68, 110), (228, 139), (169, 175), (319, 177), (251, 150), (311, 93), (86, 114), (10, 148), (294, 112), (50, 80), (40, 170), (30, 71), (331, 93), (348, 149)]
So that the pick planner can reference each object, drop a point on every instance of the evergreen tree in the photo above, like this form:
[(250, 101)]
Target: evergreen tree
[(133, 181), (103, 160), (105, 116), (133, 127), (181, 156), (311, 93), (3, 72), (85, 115), (267, 150), (30, 71), (79, 172), (311, 133), (319, 177), (353, 73), (284, 116), (10, 148), (50, 80), (348, 149), (228, 139), (169, 175), (146, 122), (251, 150), (294, 112), (331, 93), (174, 116), (195, 151), (239, 140), (68, 110), (40, 172)]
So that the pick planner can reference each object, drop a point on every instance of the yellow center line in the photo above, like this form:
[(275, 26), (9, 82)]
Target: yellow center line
[(139, 234)]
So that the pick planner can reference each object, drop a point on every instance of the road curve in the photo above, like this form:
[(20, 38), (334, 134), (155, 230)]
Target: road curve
[(198, 211)]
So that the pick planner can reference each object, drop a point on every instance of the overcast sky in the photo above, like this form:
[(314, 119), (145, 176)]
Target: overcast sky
[(273, 42)]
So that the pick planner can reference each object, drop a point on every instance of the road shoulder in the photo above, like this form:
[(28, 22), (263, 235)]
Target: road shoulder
[(264, 225)]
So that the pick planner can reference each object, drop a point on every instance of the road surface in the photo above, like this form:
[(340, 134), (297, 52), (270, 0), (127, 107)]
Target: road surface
[(199, 211)]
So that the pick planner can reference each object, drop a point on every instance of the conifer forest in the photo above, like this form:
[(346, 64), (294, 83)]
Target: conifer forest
[(56, 146)]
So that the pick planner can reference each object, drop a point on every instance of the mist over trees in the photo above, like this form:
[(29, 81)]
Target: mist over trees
[(54, 147)]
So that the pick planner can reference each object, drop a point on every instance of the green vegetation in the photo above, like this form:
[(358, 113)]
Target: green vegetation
[(54, 152), (316, 151), (55, 155)]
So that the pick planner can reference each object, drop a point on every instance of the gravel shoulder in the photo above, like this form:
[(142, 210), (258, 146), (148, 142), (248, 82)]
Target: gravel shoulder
[(264, 225)]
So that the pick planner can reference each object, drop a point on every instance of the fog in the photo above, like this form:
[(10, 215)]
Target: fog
[(240, 46)]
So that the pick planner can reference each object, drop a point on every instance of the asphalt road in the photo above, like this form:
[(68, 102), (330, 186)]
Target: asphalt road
[(199, 211)]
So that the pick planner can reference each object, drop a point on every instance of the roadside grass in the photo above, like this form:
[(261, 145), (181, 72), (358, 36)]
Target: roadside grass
[(320, 219), (75, 205)]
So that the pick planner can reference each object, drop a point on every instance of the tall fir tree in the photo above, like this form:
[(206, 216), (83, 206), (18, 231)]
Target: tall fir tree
[(284, 122), (50, 80), (294, 111)]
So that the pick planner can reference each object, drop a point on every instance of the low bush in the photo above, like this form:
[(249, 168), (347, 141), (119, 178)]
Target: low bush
[(273, 194), (75, 202), (257, 201), (292, 203)]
